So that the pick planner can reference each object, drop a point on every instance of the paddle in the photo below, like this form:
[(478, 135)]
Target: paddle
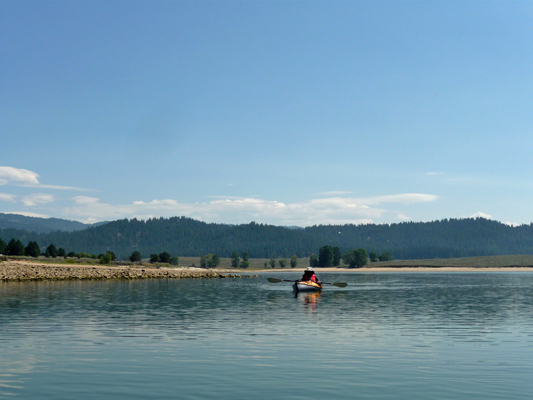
[(338, 284), (276, 280)]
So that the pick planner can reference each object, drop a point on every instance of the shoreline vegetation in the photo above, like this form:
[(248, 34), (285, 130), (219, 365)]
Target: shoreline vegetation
[(43, 269)]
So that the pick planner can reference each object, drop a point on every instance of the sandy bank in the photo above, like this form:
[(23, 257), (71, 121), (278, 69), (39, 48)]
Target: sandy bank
[(28, 271)]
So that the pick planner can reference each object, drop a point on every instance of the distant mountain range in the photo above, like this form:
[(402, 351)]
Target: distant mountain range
[(41, 225), (183, 236)]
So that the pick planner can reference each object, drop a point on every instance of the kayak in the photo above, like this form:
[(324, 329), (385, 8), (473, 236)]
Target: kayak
[(306, 286)]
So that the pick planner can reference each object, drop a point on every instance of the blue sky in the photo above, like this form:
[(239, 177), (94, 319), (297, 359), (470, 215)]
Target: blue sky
[(280, 112)]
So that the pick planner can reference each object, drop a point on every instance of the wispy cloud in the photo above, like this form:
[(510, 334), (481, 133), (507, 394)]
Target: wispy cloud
[(58, 187), (26, 178), (20, 176), (405, 198), (403, 217), (480, 214), (334, 210), (37, 198), (7, 197), (27, 214)]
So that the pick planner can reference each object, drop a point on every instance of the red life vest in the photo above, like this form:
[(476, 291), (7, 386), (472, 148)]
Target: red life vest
[(309, 276)]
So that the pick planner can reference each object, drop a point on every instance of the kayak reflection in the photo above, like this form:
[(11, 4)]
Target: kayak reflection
[(310, 300)]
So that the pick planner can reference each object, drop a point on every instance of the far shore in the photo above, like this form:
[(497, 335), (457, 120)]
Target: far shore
[(405, 269), (20, 269)]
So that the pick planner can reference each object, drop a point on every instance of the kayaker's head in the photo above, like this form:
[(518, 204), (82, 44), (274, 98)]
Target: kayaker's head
[(310, 269)]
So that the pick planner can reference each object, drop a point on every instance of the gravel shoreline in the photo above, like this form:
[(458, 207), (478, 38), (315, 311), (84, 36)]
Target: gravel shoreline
[(17, 271)]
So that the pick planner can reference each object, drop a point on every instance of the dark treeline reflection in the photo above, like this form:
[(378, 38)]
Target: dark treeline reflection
[(192, 309)]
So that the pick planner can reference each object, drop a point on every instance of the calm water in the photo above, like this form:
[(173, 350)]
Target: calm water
[(402, 336)]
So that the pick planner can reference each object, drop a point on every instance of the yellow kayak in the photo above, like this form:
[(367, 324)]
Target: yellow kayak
[(303, 286)]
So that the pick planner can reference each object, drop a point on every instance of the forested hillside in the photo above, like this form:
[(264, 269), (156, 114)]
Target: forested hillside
[(39, 225), (187, 237)]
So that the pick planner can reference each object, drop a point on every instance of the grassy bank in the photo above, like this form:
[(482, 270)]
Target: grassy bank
[(259, 263), (465, 262)]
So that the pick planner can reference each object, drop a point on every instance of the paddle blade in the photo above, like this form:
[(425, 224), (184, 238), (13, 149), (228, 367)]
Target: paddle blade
[(340, 284), (274, 280)]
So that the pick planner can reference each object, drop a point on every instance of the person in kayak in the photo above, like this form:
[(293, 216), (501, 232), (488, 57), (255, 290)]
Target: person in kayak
[(309, 275)]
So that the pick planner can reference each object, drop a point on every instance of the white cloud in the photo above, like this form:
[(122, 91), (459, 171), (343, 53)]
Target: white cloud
[(405, 198), (7, 197), (513, 224), (15, 175), (335, 210), (403, 217), (85, 200), (480, 214), (37, 198), (24, 177), (58, 187), (27, 214)]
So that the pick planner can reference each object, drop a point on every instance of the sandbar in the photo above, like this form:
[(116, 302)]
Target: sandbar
[(18, 270)]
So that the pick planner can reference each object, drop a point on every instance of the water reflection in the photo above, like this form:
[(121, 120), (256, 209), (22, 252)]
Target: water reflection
[(160, 337), (310, 300)]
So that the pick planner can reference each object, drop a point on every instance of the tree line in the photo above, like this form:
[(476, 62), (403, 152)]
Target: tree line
[(16, 248), (328, 256), (187, 237)]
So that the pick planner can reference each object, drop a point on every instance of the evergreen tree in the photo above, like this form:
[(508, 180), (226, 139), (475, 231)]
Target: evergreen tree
[(33, 249), (356, 258), (325, 257), (214, 261), (272, 262), (105, 258), (336, 256), (294, 261), (15, 248), (313, 261), (164, 257), (10, 247), (385, 256), (174, 260), (135, 256), (3, 247), (154, 258), (235, 259), (281, 263), (373, 256), (51, 251), (245, 263), (61, 252)]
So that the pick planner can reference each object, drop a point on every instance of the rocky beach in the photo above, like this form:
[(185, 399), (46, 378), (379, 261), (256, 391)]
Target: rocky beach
[(16, 270)]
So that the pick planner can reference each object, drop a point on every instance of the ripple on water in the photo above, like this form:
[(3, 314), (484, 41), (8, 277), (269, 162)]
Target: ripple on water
[(444, 335)]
